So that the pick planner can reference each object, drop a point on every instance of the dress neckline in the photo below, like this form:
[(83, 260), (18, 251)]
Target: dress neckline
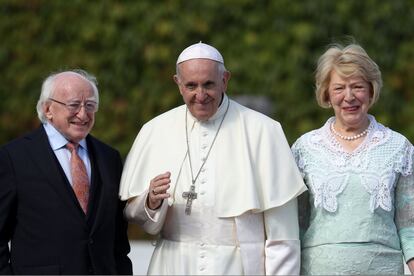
[(376, 135)]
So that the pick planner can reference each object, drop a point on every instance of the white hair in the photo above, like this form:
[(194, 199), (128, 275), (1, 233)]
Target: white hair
[(48, 89)]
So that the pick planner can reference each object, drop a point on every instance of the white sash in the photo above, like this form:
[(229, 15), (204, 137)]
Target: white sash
[(202, 226)]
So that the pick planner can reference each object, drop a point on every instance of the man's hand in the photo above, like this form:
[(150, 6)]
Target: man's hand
[(158, 190)]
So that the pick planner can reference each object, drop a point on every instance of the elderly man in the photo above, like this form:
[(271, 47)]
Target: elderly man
[(216, 179), (59, 203)]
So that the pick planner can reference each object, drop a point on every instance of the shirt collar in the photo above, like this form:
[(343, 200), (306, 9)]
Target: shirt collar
[(56, 139)]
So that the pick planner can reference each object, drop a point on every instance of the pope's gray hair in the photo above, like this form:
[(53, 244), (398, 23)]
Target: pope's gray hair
[(48, 89)]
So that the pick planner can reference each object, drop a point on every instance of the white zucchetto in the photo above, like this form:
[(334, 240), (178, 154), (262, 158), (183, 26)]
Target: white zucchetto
[(200, 50)]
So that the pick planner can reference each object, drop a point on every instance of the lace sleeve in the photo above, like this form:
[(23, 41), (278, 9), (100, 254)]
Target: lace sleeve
[(404, 216), (303, 199), (296, 152)]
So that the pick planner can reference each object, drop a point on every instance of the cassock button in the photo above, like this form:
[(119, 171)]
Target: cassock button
[(203, 181), (202, 193), (202, 244), (204, 146), (202, 268), (205, 133), (203, 158)]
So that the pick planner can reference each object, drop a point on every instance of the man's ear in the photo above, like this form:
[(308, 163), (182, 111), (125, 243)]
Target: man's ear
[(47, 111), (226, 78), (178, 82)]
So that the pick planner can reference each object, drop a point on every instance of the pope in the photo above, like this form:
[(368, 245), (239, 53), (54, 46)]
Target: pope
[(215, 179)]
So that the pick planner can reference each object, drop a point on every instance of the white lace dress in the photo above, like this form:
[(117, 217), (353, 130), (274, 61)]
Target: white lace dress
[(359, 214)]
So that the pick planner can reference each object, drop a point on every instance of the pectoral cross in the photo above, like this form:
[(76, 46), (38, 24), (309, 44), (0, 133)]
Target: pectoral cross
[(190, 195)]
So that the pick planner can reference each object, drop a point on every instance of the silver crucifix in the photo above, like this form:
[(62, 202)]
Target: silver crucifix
[(190, 195)]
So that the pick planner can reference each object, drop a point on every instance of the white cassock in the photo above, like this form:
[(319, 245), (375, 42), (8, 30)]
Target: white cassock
[(244, 220)]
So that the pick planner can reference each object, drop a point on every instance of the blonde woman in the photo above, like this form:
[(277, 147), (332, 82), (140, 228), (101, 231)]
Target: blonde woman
[(359, 214)]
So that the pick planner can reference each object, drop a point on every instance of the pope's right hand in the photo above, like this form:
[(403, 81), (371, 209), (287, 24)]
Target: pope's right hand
[(158, 190)]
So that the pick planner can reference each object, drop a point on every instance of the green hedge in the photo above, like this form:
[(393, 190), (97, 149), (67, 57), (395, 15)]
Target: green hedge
[(270, 47)]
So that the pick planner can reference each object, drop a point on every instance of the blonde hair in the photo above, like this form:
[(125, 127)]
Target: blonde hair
[(348, 61)]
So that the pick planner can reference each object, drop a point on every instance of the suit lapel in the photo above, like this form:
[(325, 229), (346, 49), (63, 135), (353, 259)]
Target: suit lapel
[(100, 183), (95, 185), (41, 153)]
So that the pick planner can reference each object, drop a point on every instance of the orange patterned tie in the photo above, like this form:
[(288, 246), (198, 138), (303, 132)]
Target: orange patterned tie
[(80, 180)]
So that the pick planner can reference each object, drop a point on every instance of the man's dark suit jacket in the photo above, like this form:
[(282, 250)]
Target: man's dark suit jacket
[(40, 215)]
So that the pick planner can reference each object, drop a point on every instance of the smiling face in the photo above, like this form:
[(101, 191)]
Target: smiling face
[(70, 87), (350, 98), (202, 85)]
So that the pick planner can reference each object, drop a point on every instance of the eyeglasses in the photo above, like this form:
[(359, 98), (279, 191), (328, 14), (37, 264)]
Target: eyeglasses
[(75, 107)]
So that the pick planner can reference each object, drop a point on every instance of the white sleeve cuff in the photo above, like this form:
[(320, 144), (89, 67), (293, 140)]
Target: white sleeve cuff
[(282, 257), (137, 212)]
